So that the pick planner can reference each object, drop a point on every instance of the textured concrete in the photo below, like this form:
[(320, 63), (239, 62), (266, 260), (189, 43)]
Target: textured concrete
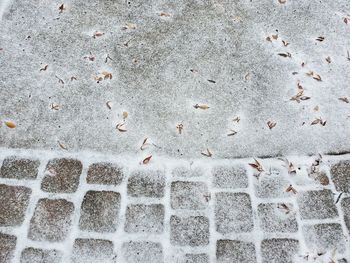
[(165, 57)]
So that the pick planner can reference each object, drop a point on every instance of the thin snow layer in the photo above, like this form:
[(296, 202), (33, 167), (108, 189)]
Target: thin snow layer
[(161, 55)]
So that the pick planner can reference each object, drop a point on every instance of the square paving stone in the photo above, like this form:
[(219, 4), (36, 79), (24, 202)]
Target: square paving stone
[(7, 247), (19, 168), (142, 252), (189, 231), (62, 176), (340, 174), (51, 220), (92, 251), (104, 173), (230, 177), (228, 251), (196, 258), (144, 218), (146, 183), (36, 255), (275, 219), (186, 172), (318, 204), (14, 201), (271, 186), (233, 213), (99, 211), (280, 250), (189, 195), (324, 237), (345, 204)]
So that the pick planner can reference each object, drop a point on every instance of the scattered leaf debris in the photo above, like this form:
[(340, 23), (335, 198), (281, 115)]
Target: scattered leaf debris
[(61, 8), (147, 159), (338, 198), (44, 68), (109, 105), (233, 132), (300, 95), (207, 153), (91, 57), (103, 75), (271, 124), (73, 78), (236, 119), (257, 166), (144, 143), (291, 189), (285, 43), (285, 55), (125, 114), (165, 14), (97, 34), (201, 106), (316, 108), (282, 1), (54, 106), (346, 20), (328, 59), (348, 57), (120, 127), (344, 99), (211, 81), (10, 124), (180, 127), (107, 57), (59, 80), (284, 207), (320, 39), (62, 146), (314, 75), (318, 121), (129, 26)]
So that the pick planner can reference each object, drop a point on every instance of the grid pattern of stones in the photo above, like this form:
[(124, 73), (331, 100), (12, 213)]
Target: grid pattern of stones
[(197, 216)]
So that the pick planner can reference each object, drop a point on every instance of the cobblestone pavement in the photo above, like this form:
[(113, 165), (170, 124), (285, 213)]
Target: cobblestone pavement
[(89, 207)]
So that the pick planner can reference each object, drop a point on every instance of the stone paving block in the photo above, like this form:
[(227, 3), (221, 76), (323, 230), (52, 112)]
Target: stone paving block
[(230, 177), (318, 204), (280, 250), (19, 168), (189, 195), (233, 213), (189, 231), (51, 220), (144, 218), (14, 201), (271, 186), (340, 174), (196, 258), (345, 204), (142, 252), (228, 251), (36, 255), (324, 237), (7, 247), (62, 176), (104, 173), (92, 251), (100, 211), (274, 218), (146, 183)]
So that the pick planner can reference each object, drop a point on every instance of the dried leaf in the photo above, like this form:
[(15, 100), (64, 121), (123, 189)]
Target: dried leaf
[(275, 36), (62, 145), (346, 20), (143, 144), (10, 124), (97, 34), (320, 39), (164, 14), (328, 59), (317, 108), (44, 68), (284, 207), (268, 39), (125, 115), (147, 159), (61, 8), (291, 189), (109, 105), (120, 128), (344, 99), (236, 119), (256, 165), (180, 127), (282, 1), (285, 43), (271, 124), (201, 106), (233, 132), (285, 55), (129, 26), (305, 98), (106, 74), (54, 106), (59, 80), (316, 121), (348, 55), (73, 78), (317, 77), (207, 153), (212, 81)]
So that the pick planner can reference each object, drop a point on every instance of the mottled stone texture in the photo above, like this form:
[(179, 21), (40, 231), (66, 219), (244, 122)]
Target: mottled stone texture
[(7, 247), (189, 195), (99, 211), (345, 203), (62, 176), (104, 173), (230, 177), (228, 251), (278, 250), (13, 204), (145, 252), (19, 168), (182, 171), (146, 183), (92, 251), (340, 173), (35, 255), (51, 220)]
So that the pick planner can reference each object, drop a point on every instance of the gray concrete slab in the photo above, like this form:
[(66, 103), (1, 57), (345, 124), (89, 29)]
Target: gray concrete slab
[(165, 57)]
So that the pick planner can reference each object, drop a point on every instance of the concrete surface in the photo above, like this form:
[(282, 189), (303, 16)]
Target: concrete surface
[(165, 57)]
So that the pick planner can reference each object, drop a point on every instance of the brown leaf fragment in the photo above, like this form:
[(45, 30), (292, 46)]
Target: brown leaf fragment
[(348, 55), (62, 145), (317, 108), (125, 115), (246, 76), (207, 153), (54, 106), (107, 57), (180, 127), (106, 74), (109, 105), (233, 132), (120, 128), (61, 8), (59, 80), (97, 34), (271, 124), (285, 43), (201, 106), (268, 39), (305, 98), (328, 59), (303, 64), (346, 20), (282, 1), (194, 70), (320, 39), (165, 14), (211, 81), (274, 36), (73, 78), (147, 159), (144, 143), (236, 119), (284, 207), (291, 189), (90, 57), (129, 26), (316, 121), (317, 77), (285, 55), (257, 166), (344, 99), (10, 124), (44, 68)]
